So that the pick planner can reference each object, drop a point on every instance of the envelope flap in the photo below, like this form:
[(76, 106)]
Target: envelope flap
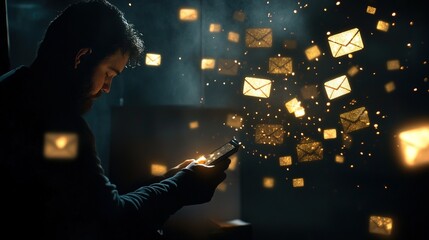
[(310, 148), (354, 115), (257, 83), (258, 33), (344, 38), (339, 82), (280, 61)]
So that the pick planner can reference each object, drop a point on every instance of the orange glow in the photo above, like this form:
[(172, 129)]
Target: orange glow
[(188, 14), (298, 182), (285, 161), (380, 225), (158, 169), (215, 27), (193, 125), (61, 146), (268, 182)]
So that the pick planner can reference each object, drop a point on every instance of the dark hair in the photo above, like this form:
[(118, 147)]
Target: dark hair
[(95, 24)]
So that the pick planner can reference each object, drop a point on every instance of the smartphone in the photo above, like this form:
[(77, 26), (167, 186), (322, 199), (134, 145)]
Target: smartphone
[(223, 152)]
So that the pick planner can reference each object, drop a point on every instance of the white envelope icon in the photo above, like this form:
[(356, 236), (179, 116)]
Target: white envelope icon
[(337, 87), (153, 59), (345, 42), (257, 87), (292, 105), (415, 146)]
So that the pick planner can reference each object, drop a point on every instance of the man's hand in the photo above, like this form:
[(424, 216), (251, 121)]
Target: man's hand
[(201, 180)]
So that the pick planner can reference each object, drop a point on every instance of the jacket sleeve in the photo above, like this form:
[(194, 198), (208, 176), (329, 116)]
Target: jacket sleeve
[(95, 197)]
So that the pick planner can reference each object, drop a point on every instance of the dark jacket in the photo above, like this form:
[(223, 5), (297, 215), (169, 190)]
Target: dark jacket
[(45, 198)]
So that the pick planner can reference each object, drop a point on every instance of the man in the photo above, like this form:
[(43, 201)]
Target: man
[(50, 196)]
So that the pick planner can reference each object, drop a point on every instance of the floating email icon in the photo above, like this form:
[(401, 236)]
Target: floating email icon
[(153, 59), (309, 150), (233, 37), (330, 133), (268, 182), (257, 87), (285, 160), (227, 67), (298, 182), (380, 225), (188, 14), (393, 64), (312, 52), (259, 37), (60, 146), (337, 87), (345, 42), (215, 27), (292, 105), (355, 120), (383, 26), (208, 63), (272, 134), (239, 15), (280, 65), (371, 10), (415, 146)]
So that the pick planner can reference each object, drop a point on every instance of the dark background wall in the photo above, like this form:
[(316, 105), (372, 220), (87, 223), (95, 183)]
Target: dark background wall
[(337, 199)]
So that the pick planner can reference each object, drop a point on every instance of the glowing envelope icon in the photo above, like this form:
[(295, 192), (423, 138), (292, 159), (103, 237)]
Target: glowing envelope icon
[(415, 146)]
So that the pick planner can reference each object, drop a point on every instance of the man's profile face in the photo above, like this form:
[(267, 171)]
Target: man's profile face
[(102, 76)]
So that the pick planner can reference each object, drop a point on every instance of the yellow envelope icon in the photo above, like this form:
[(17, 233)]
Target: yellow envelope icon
[(227, 67), (233, 37), (345, 42), (371, 10), (215, 27), (280, 65), (153, 59), (309, 150), (337, 87), (259, 37), (298, 182), (208, 63), (393, 64), (330, 133), (292, 105), (312, 52), (188, 14), (380, 225), (285, 161), (383, 26), (60, 146), (355, 120), (239, 15), (272, 134), (415, 146), (257, 87)]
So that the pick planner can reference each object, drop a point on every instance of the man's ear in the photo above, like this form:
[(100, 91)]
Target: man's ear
[(80, 54)]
